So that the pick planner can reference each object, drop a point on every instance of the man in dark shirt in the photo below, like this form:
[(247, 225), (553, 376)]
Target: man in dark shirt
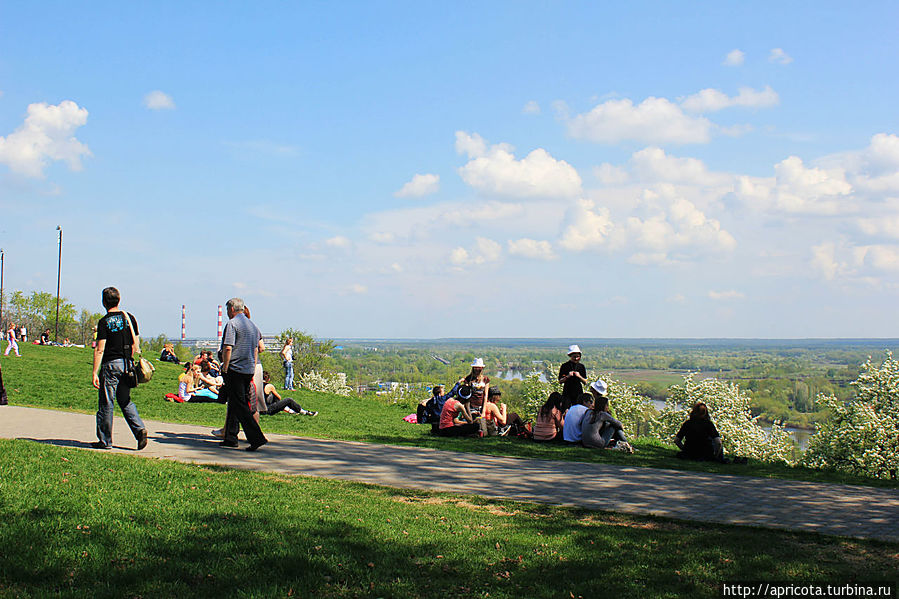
[(572, 376), (116, 342), (239, 351)]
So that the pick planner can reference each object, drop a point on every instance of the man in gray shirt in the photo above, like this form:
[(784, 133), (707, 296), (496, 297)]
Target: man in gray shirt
[(239, 351)]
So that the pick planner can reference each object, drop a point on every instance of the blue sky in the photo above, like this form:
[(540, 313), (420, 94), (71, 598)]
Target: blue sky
[(512, 169)]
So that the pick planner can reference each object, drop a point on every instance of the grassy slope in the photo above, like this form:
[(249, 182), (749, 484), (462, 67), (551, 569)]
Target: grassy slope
[(76, 523), (59, 378)]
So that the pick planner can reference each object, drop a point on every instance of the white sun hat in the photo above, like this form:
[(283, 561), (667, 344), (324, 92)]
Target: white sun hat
[(478, 363), (600, 387), (573, 349)]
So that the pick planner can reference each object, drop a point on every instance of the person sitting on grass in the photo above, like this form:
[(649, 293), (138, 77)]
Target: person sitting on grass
[(271, 403), (207, 380), (499, 421), (189, 389), (698, 439), (571, 428), (456, 421), (601, 430), (168, 354), (429, 410), (548, 426)]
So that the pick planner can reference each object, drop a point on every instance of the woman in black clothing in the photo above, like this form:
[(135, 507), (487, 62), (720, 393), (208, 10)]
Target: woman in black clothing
[(698, 439)]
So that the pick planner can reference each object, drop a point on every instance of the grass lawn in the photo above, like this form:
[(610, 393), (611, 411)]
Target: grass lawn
[(76, 523), (59, 378)]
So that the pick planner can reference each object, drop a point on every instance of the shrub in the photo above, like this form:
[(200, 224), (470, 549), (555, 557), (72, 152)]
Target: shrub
[(534, 393), (729, 410), (862, 434), (326, 383), (632, 409)]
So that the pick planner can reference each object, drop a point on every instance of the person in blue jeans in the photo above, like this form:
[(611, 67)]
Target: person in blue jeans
[(118, 340), (287, 359)]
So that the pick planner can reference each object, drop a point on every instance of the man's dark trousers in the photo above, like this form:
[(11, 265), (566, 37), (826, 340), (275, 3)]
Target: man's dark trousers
[(237, 387)]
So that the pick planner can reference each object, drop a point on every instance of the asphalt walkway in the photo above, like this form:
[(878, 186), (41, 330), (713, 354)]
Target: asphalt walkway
[(826, 508)]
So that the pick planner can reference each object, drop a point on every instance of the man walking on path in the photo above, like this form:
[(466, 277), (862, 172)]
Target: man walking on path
[(238, 353), (117, 341)]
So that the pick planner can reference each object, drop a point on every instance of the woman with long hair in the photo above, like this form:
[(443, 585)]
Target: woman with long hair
[(698, 439), (548, 426), (287, 361), (480, 386), (603, 431)]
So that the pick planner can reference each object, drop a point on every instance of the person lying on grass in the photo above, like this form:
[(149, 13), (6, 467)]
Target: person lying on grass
[(698, 439), (457, 421), (271, 403), (499, 420), (548, 426), (601, 430)]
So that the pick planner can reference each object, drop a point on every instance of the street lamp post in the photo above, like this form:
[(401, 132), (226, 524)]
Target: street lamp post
[(58, 273), (1, 286)]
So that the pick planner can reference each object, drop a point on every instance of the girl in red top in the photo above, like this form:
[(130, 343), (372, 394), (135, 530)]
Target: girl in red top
[(455, 421)]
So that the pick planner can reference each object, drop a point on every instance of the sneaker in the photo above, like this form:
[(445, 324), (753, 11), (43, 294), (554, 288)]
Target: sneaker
[(219, 432), (99, 445), (142, 439), (313, 413), (228, 444), (504, 430), (625, 447)]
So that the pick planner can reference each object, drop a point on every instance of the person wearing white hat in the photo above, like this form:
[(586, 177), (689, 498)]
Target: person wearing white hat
[(572, 376), (480, 386)]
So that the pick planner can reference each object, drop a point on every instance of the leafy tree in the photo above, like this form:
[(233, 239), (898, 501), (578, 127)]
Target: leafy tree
[(38, 312), (85, 326), (862, 434)]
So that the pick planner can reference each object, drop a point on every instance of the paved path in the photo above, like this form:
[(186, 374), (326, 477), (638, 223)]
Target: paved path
[(826, 508)]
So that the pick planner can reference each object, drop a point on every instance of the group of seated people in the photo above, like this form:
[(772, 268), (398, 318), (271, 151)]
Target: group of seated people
[(472, 408), (199, 383)]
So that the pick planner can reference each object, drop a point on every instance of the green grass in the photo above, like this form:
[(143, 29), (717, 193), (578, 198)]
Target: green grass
[(77, 523), (59, 378)]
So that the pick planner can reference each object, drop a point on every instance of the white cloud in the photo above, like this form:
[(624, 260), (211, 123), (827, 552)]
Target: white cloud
[(494, 170), (710, 100), (654, 121), (726, 295), (797, 189), (382, 237), (609, 174), (852, 263), (779, 56), (654, 165), (531, 107), (531, 248), (338, 242), (419, 186), (157, 100), (48, 133), (485, 251), (734, 58), (588, 227)]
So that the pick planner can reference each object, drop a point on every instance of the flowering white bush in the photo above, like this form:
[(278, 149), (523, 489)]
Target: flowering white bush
[(729, 410), (632, 409), (862, 435), (534, 393), (327, 383)]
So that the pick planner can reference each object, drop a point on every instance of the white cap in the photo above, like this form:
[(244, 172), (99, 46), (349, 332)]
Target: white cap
[(573, 349), (600, 386), (478, 363)]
